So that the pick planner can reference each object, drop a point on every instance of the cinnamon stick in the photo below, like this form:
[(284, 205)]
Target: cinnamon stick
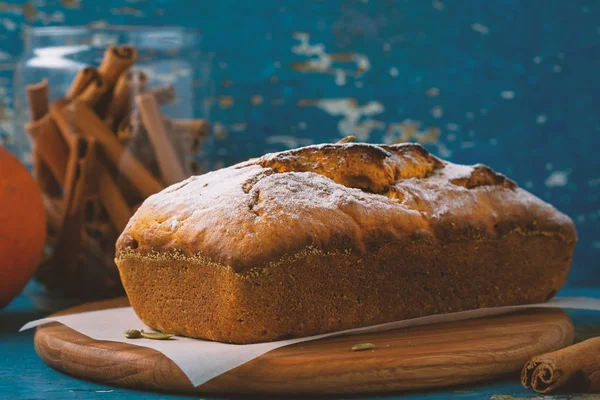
[(95, 91), (89, 124), (574, 368), (93, 210), (128, 85), (65, 125), (112, 200), (65, 258), (50, 146), (37, 98), (117, 60), (82, 166), (98, 230), (54, 211), (125, 130), (95, 240), (81, 81), (169, 163), (120, 102), (43, 176)]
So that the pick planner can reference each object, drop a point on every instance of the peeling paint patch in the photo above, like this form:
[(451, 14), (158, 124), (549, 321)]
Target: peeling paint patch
[(557, 179), (443, 151), (101, 23), (408, 130), (220, 131), (452, 127), (541, 119), (340, 78), (47, 19), (127, 11), (351, 114), (557, 69), (438, 5), (226, 101), (594, 182), (507, 94), (71, 4), (239, 127), (394, 71), (336, 64), (28, 9), (8, 24), (437, 112), (480, 28), (358, 120), (433, 92), (256, 100)]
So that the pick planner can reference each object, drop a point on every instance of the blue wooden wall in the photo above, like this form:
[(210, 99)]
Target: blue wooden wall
[(510, 83)]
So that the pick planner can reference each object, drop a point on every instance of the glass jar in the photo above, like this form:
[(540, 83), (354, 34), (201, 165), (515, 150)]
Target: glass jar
[(106, 117)]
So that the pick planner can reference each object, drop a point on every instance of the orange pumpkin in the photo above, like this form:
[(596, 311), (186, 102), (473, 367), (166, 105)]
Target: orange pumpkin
[(22, 226)]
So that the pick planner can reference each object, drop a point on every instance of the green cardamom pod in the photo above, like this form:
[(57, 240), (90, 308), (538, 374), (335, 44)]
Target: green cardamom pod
[(363, 346), (132, 334), (156, 335), (347, 139)]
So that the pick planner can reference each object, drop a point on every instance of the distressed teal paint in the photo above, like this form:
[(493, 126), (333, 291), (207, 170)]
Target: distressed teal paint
[(517, 80)]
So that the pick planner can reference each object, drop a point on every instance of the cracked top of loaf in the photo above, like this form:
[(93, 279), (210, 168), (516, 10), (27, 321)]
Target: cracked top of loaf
[(335, 198)]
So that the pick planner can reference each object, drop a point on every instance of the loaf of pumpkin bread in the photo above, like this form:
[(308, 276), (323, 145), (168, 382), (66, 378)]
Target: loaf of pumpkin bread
[(338, 236)]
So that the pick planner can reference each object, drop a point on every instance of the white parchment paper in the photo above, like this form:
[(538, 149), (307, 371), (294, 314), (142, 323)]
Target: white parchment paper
[(202, 360)]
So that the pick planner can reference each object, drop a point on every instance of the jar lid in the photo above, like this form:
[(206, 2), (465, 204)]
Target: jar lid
[(142, 37)]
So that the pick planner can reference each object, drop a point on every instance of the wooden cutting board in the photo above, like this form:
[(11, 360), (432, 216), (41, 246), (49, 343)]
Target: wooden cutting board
[(406, 359)]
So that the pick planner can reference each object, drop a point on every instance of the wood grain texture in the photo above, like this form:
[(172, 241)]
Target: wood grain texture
[(407, 359)]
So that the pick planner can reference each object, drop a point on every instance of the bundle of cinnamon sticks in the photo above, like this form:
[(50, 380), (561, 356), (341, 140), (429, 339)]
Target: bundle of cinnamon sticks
[(97, 154)]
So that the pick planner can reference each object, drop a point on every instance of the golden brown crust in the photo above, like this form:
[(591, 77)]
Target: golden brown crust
[(391, 208)]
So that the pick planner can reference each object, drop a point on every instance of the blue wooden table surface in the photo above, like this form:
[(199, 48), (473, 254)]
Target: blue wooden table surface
[(25, 376)]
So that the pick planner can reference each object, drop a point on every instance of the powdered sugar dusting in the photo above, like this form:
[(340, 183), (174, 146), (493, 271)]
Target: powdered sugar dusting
[(456, 171), (248, 215)]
